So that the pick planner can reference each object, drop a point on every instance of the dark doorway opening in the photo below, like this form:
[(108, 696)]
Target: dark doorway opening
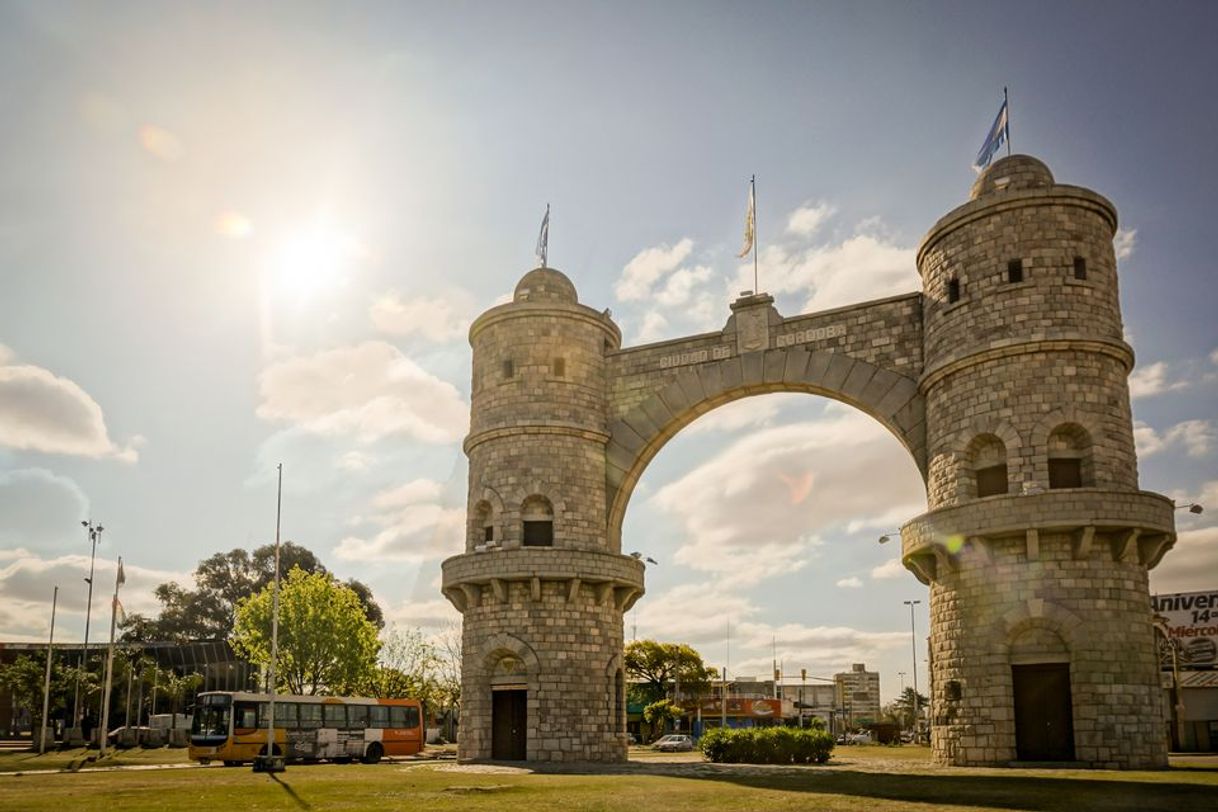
[(1044, 727), (509, 717)]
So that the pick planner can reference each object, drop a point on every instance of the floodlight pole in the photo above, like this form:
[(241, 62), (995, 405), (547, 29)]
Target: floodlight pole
[(269, 763), (94, 537)]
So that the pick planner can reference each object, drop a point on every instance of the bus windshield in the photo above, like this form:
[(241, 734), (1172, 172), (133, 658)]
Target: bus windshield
[(210, 720)]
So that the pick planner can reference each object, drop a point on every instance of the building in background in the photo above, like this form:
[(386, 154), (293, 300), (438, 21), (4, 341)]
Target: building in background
[(858, 695)]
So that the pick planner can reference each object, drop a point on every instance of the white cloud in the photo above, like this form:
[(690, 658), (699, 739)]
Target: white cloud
[(369, 390), (1152, 380), (1214, 357), (653, 328), (442, 318), (432, 614), (647, 267), (853, 582), (808, 218), (739, 414), (681, 284), (27, 583), (40, 509), (1124, 241), (1190, 565), (862, 267), (408, 523), (1194, 437), (758, 509), (892, 568), (40, 411)]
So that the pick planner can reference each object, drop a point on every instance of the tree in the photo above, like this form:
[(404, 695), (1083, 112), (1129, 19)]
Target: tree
[(658, 666), (326, 642), (903, 707), (208, 611), (408, 662), (660, 714)]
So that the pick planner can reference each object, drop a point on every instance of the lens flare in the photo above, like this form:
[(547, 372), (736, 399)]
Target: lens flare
[(234, 225), (161, 142)]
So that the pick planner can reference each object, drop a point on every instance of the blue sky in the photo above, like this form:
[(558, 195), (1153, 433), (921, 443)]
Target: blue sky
[(239, 234)]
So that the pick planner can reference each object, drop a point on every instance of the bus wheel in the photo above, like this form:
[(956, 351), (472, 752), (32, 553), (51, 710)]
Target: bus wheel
[(232, 764), (375, 751)]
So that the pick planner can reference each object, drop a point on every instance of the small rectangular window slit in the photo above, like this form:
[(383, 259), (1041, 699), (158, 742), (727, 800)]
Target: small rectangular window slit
[(1080, 268), (953, 290), (509, 370), (1015, 271)]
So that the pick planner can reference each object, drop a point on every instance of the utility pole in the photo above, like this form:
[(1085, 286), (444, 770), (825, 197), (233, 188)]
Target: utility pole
[(94, 533), (913, 642)]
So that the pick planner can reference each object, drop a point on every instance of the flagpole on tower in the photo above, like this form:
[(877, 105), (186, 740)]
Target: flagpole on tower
[(1007, 105)]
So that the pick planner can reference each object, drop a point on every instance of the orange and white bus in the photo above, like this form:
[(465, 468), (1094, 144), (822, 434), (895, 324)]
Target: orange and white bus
[(230, 726)]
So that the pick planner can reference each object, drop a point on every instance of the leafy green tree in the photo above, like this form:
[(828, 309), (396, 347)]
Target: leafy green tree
[(326, 642), (655, 668), (208, 611), (660, 715)]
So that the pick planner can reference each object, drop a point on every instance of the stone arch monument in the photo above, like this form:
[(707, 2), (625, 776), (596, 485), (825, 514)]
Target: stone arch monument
[(1004, 378)]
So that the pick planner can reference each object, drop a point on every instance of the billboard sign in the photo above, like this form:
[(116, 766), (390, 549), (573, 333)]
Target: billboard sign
[(1191, 621)]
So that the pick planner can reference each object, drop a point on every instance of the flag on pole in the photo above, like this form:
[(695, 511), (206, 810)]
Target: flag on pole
[(120, 612), (122, 576), (543, 239), (750, 223), (998, 133)]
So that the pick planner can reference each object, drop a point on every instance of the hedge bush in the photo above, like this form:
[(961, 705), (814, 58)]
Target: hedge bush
[(766, 745)]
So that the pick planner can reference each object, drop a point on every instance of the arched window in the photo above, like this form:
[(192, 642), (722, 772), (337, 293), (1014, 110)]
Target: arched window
[(1070, 457), (537, 517), (986, 460), (483, 527)]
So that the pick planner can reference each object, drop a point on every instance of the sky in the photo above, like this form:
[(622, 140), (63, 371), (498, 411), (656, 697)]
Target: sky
[(234, 235)]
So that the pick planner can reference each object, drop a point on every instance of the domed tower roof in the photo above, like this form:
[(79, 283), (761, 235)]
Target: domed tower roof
[(545, 285), (1013, 172)]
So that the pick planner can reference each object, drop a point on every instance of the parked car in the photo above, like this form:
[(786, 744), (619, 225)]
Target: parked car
[(860, 737), (674, 742)]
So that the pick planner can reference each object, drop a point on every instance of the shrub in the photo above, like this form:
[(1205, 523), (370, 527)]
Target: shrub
[(766, 745)]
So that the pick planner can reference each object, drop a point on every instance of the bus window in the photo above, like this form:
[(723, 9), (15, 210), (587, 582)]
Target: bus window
[(357, 716), (378, 716), (285, 714), (264, 713), (245, 716), (310, 716), (412, 716), (335, 714), (397, 716)]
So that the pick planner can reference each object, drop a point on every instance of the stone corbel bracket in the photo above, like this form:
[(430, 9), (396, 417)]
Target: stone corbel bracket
[(473, 580), (1139, 527)]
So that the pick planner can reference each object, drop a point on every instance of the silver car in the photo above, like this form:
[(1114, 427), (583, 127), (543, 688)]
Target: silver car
[(674, 742)]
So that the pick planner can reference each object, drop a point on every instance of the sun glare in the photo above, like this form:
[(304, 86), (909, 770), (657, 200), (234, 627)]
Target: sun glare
[(314, 260)]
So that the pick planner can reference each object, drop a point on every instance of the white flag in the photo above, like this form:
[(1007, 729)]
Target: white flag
[(122, 576), (750, 224)]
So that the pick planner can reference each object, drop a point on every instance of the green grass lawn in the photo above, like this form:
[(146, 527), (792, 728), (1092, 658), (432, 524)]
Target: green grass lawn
[(854, 779), (79, 758)]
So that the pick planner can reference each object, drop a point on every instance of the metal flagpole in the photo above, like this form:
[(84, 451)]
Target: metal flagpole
[(1007, 106), (270, 763), (105, 720), (46, 684)]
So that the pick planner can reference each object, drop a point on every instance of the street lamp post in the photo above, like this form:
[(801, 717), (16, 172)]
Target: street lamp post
[(913, 643), (94, 537)]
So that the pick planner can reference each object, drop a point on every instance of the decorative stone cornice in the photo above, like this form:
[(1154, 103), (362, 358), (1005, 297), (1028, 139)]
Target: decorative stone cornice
[(609, 577)]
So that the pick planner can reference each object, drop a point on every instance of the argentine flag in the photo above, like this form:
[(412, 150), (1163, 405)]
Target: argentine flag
[(997, 135)]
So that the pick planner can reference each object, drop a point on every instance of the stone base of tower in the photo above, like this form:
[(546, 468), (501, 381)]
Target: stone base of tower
[(1042, 645), (542, 673)]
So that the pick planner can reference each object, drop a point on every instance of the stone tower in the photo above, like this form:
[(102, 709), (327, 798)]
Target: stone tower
[(540, 586), (1037, 542)]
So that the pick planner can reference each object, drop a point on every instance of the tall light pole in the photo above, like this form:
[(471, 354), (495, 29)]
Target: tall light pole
[(94, 537), (913, 644)]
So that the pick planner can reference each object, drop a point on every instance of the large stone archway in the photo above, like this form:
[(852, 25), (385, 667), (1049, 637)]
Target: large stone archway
[(1004, 379)]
